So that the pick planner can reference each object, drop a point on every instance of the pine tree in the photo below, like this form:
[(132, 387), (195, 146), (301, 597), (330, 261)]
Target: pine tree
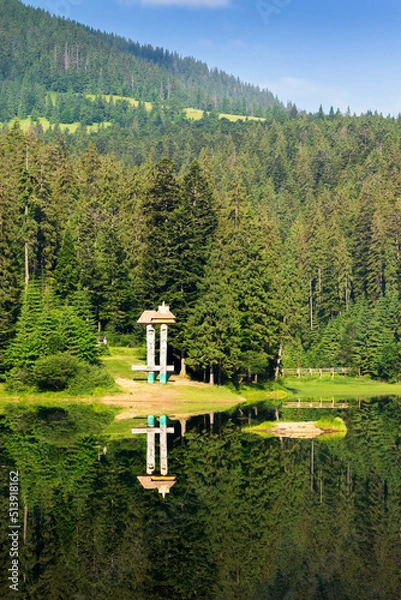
[(159, 259), (193, 226), (252, 271), (212, 333)]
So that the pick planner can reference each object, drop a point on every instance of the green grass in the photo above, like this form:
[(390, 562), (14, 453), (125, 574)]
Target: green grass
[(239, 117), (132, 101), (52, 397), (120, 360), (135, 399), (138, 398), (260, 392), (339, 387), (193, 114), (25, 124), (335, 423), (331, 426), (261, 429)]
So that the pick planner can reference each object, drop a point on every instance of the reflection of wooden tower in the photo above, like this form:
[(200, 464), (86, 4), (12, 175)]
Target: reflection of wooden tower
[(162, 482), (150, 318)]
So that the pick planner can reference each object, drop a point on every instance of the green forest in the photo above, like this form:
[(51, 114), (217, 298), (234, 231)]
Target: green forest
[(275, 242)]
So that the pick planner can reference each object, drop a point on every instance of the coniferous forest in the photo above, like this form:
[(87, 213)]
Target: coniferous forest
[(267, 238)]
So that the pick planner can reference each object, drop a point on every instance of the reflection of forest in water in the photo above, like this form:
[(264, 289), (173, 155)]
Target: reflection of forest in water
[(245, 520)]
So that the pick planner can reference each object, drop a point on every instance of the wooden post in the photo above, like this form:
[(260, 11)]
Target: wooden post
[(162, 482), (163, 445), (163, 353), (150, 455), (150, 350)]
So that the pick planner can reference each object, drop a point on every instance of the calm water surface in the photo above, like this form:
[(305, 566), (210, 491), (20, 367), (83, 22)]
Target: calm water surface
[(249, 517)]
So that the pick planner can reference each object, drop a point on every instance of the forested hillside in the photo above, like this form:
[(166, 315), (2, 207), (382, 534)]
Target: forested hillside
[(40, 53), (258, 235)]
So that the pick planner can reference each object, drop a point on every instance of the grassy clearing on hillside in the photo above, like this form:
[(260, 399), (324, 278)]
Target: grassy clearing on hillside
[(193, 114), (25, 124), (239, 117), (110, 97)]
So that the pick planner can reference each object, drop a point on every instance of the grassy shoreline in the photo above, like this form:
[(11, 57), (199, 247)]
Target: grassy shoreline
[(340, 387), (132, 397)]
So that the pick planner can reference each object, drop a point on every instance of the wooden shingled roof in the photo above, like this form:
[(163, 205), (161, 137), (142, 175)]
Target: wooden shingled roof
[(162, 484), (162, 316), (146, 317)]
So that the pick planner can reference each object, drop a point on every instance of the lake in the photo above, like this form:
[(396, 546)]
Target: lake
[(249, 517)]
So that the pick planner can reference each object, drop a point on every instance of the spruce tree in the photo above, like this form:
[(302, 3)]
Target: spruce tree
[(212, 332), (252, 277)]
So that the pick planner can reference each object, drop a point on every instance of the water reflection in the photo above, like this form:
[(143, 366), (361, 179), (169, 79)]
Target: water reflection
[(249, 517)]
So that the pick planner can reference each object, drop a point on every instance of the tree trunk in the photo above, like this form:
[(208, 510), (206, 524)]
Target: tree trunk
[(280, 352), (183, 372), (211, 376)]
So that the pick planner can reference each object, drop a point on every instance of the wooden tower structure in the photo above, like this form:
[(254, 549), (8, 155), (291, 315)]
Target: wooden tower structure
[(163, 317)]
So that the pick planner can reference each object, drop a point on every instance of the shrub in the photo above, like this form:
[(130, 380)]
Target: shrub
[(88, 378), (55, 371), (18, 380)]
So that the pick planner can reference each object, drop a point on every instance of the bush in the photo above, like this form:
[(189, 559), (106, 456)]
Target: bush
[(88, 378), (54, 372), (18, 380)]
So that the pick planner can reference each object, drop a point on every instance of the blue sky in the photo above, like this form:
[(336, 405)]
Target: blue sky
[(312, 52)]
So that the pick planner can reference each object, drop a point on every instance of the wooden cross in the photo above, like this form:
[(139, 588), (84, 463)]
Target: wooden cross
[(162, 482), (163, 316)]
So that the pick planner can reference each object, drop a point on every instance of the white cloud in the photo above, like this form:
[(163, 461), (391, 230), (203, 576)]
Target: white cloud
[(309, 94), (182, 3)]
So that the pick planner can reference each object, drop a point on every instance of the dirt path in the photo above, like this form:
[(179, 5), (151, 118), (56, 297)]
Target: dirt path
[(180, 398)]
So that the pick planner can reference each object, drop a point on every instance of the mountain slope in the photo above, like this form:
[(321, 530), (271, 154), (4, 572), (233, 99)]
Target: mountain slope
[(40, 52)]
